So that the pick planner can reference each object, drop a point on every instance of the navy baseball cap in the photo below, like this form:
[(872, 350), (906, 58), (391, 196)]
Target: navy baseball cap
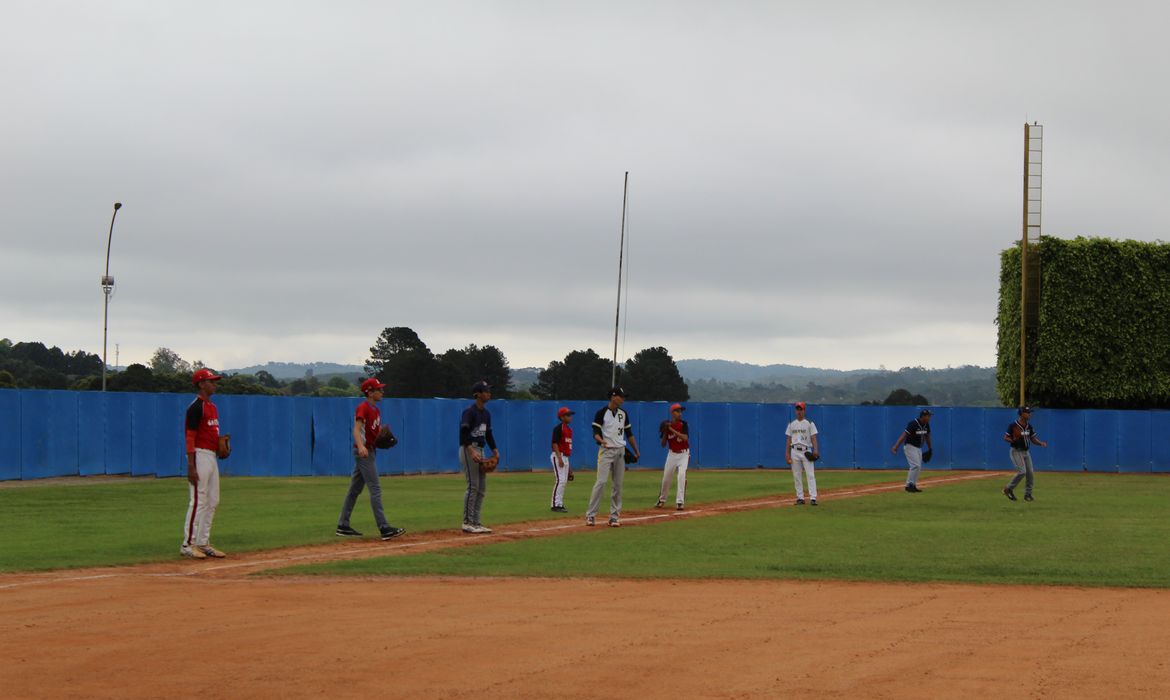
[(480, 387), (925, 412), (1023, 409), (617, 391)]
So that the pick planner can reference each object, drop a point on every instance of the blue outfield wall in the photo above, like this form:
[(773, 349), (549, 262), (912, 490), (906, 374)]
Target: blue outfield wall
[(66, 433)]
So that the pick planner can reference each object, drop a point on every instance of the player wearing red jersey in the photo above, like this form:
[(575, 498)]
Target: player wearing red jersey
[(675, 435), (202, 435), (562, 448)]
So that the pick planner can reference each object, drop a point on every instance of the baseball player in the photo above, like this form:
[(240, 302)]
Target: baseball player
[(611, 431), (562, 449), (475, 431), (802, 437), (202, 437), (1019, 435), (367, 423), (917, 431), (675, 435)]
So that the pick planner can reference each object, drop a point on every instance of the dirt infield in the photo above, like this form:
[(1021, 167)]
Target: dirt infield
[(184, 629)]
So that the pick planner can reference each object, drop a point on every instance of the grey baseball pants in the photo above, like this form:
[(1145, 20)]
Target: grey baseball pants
[(611, 462), (1022, 459), (365, 474), (476, 487)]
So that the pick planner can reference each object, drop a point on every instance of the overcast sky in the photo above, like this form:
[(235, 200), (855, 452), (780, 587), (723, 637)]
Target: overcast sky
[(818, 183)]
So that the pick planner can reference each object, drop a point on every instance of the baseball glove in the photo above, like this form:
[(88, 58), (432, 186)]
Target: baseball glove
[(489, 465), (570, 475), (812, 456), (385, 439), (631, 458), (927, 455), (224, 449), (664, 431)]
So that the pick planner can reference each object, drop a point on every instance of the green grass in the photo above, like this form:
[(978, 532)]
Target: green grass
[(1090, 530), (57, 526)]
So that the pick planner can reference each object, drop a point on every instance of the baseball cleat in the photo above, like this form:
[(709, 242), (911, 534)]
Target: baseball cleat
[(482, 529), (347, 531), (1009, 493), (590, 521), (390, 532), (193, 552), (614, 522), (813, 502), (559, 509), (678, 506), (913, 488), (468, 527), (799, 502), (660, 503), (211, 551), (1028, 497)]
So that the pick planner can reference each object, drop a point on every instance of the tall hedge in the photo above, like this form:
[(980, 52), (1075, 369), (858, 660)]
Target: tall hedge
[(1103, 339)]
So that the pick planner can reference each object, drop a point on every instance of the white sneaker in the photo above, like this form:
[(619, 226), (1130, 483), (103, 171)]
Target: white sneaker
[(482, 529), (193, 552), (468, 527), (211, 551)]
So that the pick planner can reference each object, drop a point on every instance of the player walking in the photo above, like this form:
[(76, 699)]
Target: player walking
[(475, 431), (675, 435), (366, 425), (562, 449), (611, 431), (1019, 435), (202, 437), (917, 431), (802, 437)]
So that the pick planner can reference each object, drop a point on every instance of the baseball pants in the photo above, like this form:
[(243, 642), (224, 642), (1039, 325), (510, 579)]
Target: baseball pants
[(914, 459), (801, 464), (1022, 460), (611, 462), (562, 476), (476, 487), (365, 474), (675, 461), (204, 498)]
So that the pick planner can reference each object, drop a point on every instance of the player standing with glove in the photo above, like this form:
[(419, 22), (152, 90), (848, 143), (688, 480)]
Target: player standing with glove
[(475, 431), (611, 430), (562, 449), (202, 436), (1019, 435), (800, 443), (675, 436), (917, 431), (366, 426)]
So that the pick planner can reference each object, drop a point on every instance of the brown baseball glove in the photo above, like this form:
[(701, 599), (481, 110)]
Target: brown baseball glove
[(489, 464), (224, 450)]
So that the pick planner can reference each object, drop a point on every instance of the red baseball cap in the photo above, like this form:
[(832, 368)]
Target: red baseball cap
[(677, 407), (203, 375), (799, 404), (564, 411), (371, 384)]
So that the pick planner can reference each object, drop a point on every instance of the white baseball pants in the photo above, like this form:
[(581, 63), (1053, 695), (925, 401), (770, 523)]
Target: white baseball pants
[(203, 500), (562, 476), (801, 464), (675, 461)]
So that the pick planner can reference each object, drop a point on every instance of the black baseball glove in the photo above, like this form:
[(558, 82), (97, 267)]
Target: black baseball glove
[(927, 455), (630, 457), (385, 438), (812, 456)]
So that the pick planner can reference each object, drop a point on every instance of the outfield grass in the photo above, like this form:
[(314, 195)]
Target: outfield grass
[(56, 526), (1090, 530)]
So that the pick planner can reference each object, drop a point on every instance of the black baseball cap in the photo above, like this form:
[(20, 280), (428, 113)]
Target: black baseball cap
[(480, 387), (925, 412), (617, 391), (1023, 409)]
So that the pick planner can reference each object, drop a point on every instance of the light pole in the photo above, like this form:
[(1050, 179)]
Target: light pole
[(107, 287)]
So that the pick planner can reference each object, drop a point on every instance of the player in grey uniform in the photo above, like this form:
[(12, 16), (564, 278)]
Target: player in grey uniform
[(802, 437), (611, 431), (917, 432), (1019, 435)]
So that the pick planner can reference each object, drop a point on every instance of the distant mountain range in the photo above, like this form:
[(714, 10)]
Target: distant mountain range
[(726, 380)]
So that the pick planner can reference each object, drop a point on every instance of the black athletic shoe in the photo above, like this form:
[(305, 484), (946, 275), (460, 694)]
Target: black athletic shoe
[(559, 509), (390, 532), (799, 502), (1009, 493), (348, 531), (678, 506), (813, 502), (1028, 497), (913, 488)]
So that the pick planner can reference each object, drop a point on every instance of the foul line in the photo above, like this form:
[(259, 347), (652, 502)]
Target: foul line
[(375, 551)]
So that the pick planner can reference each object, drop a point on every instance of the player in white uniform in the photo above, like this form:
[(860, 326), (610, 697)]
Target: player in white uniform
[(802, 436)]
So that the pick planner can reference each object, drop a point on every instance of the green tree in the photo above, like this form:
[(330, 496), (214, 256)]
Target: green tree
[(404, 363), (7, 381), (583, 374), (267, 380), (167, 361), (903, 397), (652, 375)]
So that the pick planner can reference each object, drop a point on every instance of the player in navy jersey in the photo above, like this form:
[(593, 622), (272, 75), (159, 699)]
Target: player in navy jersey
[(916, 434), (1020, 434)]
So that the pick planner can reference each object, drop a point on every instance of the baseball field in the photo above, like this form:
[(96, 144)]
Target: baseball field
[(873, 593)]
